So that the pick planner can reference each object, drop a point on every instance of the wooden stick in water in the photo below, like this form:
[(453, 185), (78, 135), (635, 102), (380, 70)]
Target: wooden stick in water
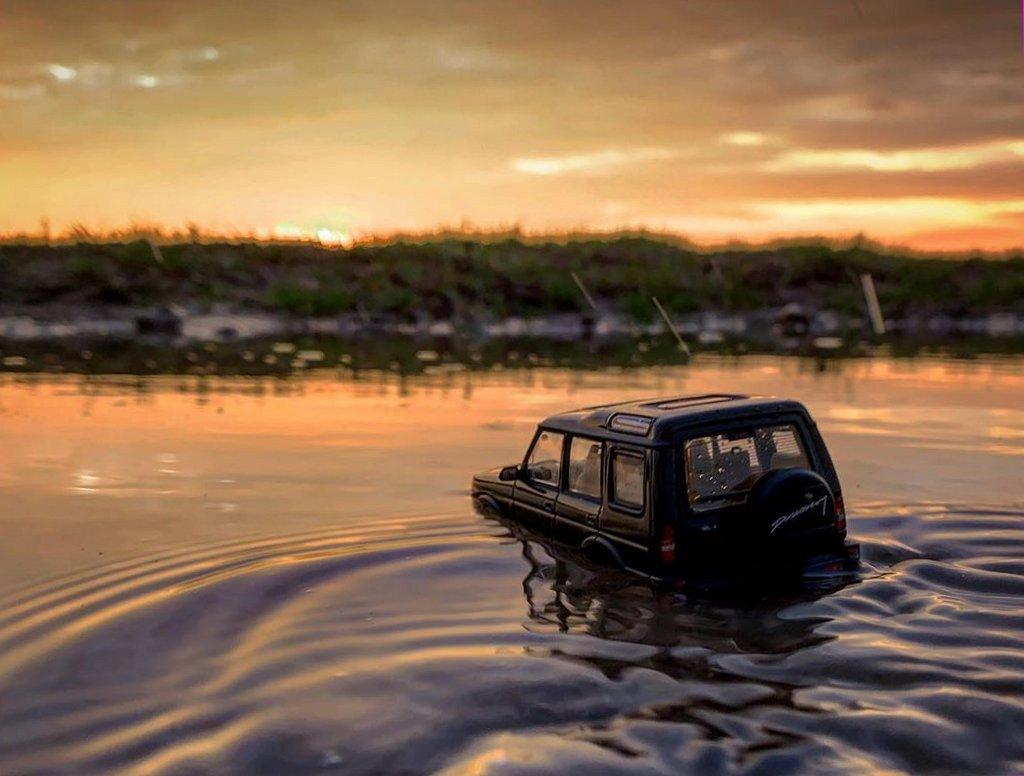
[(158, 255), (671, 326), (874, 309), (583, 289)]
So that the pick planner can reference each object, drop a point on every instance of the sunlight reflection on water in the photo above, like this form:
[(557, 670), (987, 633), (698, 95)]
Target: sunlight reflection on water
[(279, 576)]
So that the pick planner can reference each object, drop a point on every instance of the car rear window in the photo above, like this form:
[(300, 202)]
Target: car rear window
[(721, 469)]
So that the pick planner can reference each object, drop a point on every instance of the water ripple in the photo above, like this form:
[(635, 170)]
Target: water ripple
[(459, 644)]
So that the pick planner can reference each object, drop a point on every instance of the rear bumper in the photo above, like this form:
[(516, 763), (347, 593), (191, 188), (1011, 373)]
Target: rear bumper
[(839, 560), (847, 558)]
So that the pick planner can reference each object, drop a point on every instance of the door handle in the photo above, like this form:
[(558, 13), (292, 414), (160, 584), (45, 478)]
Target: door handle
[(549, 506)]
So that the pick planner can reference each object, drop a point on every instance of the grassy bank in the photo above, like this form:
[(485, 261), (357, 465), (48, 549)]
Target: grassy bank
[(448, 279)]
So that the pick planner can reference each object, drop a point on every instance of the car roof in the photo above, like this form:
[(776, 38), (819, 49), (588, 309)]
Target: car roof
[(659, 420)]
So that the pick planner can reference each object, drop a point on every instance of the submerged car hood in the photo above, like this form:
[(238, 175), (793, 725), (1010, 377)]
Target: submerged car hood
[(490, 475)]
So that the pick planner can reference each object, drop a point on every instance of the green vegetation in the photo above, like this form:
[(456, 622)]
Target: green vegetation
[(453, 278), (311, 302)]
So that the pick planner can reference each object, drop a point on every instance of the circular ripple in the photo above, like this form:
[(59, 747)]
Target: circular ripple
[(451, 642)]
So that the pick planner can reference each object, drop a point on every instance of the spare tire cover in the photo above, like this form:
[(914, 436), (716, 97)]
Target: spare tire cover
[(788, 503)]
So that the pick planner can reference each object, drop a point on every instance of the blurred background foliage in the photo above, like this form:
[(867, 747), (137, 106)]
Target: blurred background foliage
[(456, 278)]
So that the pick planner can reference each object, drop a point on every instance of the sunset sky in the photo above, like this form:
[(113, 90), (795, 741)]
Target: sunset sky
[(716, 119)]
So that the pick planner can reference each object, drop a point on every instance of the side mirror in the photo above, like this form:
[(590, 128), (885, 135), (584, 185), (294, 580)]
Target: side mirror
[(509, 473)]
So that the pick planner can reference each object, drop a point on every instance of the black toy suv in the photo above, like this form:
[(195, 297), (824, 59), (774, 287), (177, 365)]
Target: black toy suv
[(680, 486)]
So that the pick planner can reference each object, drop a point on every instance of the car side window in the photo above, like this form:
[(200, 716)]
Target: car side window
[(545, 462), (627, 485), (586, 459)]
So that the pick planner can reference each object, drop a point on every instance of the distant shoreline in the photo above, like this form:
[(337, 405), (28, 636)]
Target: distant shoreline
[(501, 288)]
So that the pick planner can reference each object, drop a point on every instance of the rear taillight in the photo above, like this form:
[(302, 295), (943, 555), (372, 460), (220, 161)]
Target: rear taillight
[(840, 513), (668, 544)]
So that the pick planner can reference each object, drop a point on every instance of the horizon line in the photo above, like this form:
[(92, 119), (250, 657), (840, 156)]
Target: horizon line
[(337, 240)]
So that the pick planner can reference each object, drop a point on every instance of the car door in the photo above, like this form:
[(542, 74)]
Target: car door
[(579, 504), (537, 490), (626, 517)]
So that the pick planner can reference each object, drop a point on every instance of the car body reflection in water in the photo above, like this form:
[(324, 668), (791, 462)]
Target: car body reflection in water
[(566, 592)]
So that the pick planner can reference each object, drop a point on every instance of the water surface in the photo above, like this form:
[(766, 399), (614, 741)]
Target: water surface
[(262, 575)]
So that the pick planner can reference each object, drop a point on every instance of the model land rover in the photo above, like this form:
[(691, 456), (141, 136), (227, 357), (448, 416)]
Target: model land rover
[(679, 486)]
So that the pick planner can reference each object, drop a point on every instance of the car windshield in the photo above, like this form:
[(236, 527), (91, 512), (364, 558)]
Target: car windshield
[(722, 468)]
